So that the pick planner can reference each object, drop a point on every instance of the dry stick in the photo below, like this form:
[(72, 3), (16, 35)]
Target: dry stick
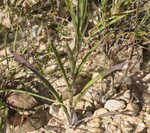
[(133, 43), (129, 64), (130, 57), (133, 38)]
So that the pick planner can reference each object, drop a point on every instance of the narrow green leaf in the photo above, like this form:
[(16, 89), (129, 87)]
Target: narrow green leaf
[(16, 35), (86, 57), (71, 59), (116, 18), (62, 68), (29, 93), (5, 46), (91, 82), (72, 13), (83, 16), (103, 74), (41, 77)]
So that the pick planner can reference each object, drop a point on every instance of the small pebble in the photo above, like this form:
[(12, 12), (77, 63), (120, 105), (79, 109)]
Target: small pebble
[(35, 31), (128, 81), (95, 74), (100, 111), (133, 108), (146, 98), (41, 48), (95, 130), (21, 100), (94, 123), (140, 127), (127, 95), (50, 69), (147, 77), (115, 105)]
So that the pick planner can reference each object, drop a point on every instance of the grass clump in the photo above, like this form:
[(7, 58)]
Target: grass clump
[(110, 18)]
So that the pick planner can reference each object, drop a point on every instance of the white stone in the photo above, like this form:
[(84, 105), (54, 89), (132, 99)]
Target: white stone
[(36, 29), (20, 74), (42, 48), (95, 74), (95, 130), (30, 60), (132, 107), (54, 109), (94, 123), (100, 111), (3, 52), (147, 77), (127, 95), (140, 127), (50, 69), (114, 105)]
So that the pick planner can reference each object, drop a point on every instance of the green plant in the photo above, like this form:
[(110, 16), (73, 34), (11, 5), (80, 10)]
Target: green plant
[(3, 115), (79, 17), (79, 20), (110, 15)]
